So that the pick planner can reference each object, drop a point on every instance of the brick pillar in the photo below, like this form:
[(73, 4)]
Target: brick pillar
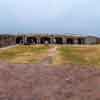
[(51, 39), (64, 40), (54, 40), (38, 40), (24, 39)]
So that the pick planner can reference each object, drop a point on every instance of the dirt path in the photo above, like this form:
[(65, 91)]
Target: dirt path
[(51, 55), (8, 47)]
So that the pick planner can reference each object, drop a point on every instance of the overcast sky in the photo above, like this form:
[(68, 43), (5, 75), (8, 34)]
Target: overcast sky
[(65, 16)]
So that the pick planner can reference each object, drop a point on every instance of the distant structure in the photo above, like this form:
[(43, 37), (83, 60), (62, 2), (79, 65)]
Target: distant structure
[(6, 39), (55, 39)]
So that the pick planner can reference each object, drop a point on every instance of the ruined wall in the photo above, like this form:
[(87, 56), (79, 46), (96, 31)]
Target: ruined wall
[(58, 39), (90, 40), (98, 40), (6, 40)]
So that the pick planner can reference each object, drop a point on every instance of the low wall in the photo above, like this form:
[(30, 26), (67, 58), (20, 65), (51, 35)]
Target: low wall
[(7, 40)]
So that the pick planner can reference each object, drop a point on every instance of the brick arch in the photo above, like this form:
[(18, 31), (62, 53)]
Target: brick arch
[(32, 40), (19, 39), (44, 40)]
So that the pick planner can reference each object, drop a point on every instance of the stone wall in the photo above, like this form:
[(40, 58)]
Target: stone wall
[(58, 39), (6, 40), (90, 40)]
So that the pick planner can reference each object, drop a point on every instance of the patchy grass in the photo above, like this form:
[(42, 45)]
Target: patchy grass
[(79, 54), (62, 55), (24, 54)]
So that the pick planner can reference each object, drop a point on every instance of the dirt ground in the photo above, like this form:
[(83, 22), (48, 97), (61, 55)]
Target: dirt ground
[(44, 82)]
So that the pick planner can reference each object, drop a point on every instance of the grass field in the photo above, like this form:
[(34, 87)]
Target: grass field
[(79, 54), (62, 54), (24, 54)]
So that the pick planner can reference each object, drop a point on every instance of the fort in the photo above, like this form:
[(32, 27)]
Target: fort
[(7, 39)]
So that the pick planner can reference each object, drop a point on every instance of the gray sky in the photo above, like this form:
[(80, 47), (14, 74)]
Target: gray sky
[(65, 16)]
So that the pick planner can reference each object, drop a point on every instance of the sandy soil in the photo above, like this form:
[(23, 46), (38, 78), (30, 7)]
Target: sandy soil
[(49, 59), (44, 82)]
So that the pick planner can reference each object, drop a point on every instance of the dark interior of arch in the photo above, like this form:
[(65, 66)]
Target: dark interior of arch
[(19, 40), (44, 40), (70, 41), (59, 40), (80, 41), (31, 40)]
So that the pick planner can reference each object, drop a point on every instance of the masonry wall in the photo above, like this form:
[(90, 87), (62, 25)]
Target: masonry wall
[(98, 40), (57, 39), (6, 40), (90, 40)]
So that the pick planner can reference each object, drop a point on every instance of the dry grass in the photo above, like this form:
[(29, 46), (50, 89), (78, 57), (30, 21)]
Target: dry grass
[(24, 54), (79, 54), (62, 55)]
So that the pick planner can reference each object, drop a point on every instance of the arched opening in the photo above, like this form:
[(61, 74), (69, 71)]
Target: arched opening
[(58, 40), (19, 40), (70, 41), (80, 41), (45, 40), (31, 40)]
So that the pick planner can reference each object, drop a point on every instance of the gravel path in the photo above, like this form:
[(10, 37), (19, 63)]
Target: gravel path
[(8, 47), (43, 82)]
